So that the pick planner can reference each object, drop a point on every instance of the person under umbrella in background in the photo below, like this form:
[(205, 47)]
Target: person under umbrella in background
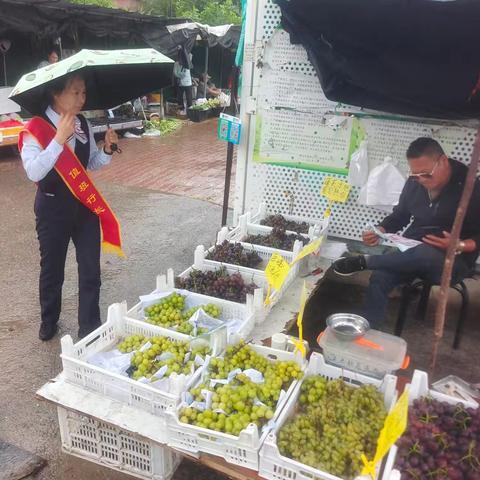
[(52, 57), (60, 215)]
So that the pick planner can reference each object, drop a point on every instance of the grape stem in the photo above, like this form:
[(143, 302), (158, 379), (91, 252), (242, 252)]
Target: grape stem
[(427, 418), (415, 448), (472, 459)]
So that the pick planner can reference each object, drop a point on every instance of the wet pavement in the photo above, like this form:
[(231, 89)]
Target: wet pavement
[(159, 231), (190, 161)]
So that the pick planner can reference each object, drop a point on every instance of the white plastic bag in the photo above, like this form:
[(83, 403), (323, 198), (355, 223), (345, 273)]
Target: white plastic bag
[(383, 187), (358, 169)]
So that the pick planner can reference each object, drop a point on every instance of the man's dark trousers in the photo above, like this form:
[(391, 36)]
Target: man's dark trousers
[(59, 218), (393, 269)]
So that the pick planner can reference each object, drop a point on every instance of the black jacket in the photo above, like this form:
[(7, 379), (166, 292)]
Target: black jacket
[(437, 216)]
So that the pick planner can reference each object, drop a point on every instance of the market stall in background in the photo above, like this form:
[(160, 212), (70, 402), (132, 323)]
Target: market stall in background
[(201, 365)]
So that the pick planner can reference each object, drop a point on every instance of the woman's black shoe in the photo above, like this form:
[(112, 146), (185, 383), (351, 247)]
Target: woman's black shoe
[(47, 331)]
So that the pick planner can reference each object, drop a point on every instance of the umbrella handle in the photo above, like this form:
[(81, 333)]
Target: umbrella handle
[(115, 148)]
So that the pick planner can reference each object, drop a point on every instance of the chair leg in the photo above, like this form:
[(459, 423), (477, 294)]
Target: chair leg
[(402, 313), (462, 289), (423, 302)]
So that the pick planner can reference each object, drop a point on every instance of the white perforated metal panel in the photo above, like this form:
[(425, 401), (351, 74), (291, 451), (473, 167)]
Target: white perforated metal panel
[(289, 126)]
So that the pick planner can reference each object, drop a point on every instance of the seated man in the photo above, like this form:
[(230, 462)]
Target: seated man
[(428, 204), (211, 92)]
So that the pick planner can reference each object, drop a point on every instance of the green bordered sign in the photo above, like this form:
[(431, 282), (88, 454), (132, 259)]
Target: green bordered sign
[(229, 128)]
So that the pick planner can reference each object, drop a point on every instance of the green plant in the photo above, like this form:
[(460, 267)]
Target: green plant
[(209, 104), (211, 12), (98, 3), (165, 126)]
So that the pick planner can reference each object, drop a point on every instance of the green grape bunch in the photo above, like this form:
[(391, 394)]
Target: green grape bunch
[(170, 313), (147, 362), (242, 401), (134, 342), (334, 425)]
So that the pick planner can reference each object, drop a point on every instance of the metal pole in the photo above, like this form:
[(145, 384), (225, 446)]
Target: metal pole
[(230, 146), (5, 68), (206, 70), (450, 255)]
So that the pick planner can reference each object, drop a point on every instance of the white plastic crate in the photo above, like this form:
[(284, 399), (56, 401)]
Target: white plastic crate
[(200, 262), (315, 224), (78, 371), (417, 389), (273, 465), (249, 276), (263, 252), (229, 310), (245, 228), (96, 441), (242, 450)]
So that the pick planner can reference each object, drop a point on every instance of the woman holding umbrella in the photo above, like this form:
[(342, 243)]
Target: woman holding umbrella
[(57, 148), (60, 215)]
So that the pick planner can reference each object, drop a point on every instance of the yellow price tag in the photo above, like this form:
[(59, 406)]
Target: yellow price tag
[(299, 343), (393, 428), (276, 271), (308, 249), (335, 190)]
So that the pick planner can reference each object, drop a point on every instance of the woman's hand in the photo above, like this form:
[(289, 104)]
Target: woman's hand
[(110, 137), (65, 128)]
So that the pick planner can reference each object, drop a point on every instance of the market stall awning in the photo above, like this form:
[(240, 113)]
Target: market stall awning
[(186, 33), (414, 58), (51, 19)]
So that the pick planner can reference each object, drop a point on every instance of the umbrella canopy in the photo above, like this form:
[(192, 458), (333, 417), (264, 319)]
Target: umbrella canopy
[(112, 77)]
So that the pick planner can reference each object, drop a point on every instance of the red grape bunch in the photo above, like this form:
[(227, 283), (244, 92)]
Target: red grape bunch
[(281, 222), (276, 239), (217, 283), (235, 254), (442, 442)]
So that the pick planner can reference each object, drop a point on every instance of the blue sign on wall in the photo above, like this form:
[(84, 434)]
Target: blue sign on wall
[(229, 128)]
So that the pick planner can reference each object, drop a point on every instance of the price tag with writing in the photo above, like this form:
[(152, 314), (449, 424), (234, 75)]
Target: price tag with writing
[(276, 271), (393, 428), (308, 249), (335, 190)]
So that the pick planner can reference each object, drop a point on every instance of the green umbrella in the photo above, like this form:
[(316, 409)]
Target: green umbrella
[(112, 77)]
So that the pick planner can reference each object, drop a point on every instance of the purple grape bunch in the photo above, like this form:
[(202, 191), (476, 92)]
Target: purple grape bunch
[(235, 254), (217, 283), (279, 221), (442, 442), (278, 238)]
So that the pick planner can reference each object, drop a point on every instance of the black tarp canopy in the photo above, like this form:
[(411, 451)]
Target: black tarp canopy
[(54, 18), (410, 57), (48, 19), (33, 26)]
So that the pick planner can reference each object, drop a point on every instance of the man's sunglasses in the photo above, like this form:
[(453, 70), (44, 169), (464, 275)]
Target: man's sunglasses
[(426, 175)]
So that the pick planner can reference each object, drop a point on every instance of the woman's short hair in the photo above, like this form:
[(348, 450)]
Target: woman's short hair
[(58, 86)]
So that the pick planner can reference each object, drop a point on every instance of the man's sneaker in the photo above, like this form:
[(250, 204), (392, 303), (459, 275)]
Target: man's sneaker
[(47, 331), (349, 265)]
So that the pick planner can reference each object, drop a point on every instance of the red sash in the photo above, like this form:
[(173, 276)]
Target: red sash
[(71, 170)]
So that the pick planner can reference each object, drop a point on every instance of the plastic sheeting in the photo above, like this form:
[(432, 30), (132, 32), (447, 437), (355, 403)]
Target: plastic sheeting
[(410, 57), (51, 19)]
